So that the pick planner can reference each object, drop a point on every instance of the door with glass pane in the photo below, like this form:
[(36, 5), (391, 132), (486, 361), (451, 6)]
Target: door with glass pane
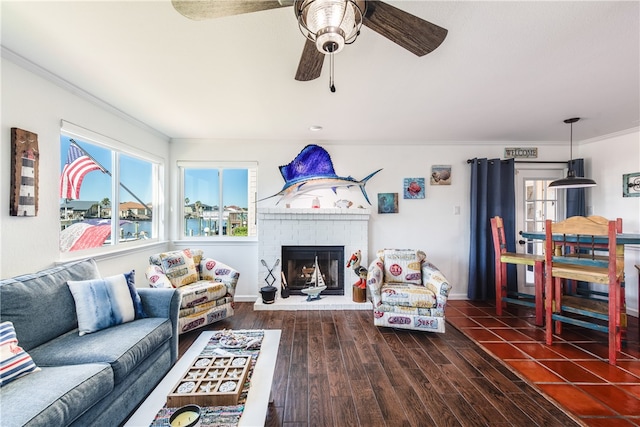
[(535, 203)]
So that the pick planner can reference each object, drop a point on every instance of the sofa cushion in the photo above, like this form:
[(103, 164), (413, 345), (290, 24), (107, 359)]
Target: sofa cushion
[(407, 295), (179, 267), (201, 292), (402, 266), (55, 396), (201, 318), (14, 361), (47, 294), (204, 307), (123, 346)]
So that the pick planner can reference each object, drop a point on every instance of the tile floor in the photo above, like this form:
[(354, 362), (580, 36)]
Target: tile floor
[(573, 371)]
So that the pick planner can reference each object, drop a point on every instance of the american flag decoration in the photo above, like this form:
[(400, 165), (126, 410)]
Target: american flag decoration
[(78, 165)]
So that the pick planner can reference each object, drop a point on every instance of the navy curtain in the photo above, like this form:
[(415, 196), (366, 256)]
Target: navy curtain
[(575, 198), (492, 193)]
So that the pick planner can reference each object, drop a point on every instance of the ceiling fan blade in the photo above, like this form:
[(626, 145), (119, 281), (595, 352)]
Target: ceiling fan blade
[(208, 9), (310, 65), (408, 31)]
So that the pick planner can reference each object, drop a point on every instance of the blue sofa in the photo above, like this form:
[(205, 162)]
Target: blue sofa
[(96, 379)]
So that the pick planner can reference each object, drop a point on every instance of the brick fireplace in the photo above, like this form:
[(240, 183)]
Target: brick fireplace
[(278, 227)]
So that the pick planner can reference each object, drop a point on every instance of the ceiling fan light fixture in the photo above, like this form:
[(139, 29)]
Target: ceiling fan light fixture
[(330, 24), (572, 181)]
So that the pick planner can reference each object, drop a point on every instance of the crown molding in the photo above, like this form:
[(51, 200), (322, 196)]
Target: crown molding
[(609, 136)]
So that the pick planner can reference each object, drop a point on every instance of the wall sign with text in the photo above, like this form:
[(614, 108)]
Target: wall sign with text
[(521, 153)]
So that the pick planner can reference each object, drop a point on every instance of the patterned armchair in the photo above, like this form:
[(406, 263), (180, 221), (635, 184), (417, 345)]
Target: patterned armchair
[(408, 292), (206, 286)]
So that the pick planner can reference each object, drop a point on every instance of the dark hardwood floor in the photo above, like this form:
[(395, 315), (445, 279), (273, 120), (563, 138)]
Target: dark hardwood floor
[(335, 368)]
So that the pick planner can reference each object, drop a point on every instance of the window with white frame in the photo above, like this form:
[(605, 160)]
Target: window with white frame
[(108, 192), (218, 199)]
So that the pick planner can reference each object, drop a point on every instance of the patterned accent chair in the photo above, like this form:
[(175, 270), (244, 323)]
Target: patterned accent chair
[(206, 286), (407, 291)]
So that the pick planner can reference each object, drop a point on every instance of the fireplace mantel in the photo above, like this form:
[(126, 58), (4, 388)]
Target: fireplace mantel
[(314, 214), (279, 227)]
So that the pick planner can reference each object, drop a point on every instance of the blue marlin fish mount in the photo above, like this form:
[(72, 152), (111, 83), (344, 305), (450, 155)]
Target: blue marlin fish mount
[(311, 170)]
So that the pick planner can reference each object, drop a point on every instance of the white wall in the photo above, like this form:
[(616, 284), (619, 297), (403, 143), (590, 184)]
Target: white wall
[(608, 160), (34, 103)]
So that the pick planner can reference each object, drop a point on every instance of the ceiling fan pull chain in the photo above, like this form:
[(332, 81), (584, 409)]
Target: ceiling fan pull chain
[(332, 87)]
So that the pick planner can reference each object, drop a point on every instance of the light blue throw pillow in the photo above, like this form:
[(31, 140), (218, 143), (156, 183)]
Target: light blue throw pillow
[(102, 303)]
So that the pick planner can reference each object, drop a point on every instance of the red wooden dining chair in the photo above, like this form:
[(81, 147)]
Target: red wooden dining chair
[(584, 249), (502, 258)]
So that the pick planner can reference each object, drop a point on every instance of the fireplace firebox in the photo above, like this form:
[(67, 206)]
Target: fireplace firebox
[(298, 262)]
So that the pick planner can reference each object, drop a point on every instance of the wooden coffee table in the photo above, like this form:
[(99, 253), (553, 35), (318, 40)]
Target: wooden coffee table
[(256, 406)]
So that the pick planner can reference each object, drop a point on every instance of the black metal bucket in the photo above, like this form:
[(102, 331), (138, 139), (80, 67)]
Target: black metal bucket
[(268, 294)]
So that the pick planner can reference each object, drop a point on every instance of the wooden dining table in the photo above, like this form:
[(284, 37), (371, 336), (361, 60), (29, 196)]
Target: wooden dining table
[(621, 239)]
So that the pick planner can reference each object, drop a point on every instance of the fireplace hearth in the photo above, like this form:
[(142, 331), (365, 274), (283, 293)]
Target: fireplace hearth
[(298, 262)]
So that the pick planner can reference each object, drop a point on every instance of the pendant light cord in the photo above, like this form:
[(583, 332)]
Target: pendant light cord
[(332, 87), (571, 146)]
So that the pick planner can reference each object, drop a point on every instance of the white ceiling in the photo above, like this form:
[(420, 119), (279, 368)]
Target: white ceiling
[(507, 71)]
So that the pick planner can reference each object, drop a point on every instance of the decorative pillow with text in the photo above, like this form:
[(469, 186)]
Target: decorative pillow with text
[(179, 267), (402, 266)]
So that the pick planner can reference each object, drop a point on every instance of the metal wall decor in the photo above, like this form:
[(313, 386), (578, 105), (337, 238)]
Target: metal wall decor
[(24, 173), (631, 185)]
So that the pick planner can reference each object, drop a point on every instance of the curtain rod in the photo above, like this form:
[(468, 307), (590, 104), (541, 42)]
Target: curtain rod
[(527, 161)]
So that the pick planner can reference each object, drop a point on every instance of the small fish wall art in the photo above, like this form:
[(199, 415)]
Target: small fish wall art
[(413, 188), (311, 170)]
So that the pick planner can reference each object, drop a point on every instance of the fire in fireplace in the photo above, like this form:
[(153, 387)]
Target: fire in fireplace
[(297, 266)]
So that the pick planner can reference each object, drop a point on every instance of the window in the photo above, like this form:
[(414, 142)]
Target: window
[(108, 192), (218, 199)]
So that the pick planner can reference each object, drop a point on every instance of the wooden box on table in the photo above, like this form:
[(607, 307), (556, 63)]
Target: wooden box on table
[(211, 381)]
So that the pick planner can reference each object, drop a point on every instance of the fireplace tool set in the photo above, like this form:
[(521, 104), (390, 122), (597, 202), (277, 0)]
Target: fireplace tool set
[(269, 292)]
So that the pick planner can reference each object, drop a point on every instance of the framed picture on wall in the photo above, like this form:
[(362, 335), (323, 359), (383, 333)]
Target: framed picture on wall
[(631, 185), (441, 175), (387, 203), (413, 188), (25, 158)]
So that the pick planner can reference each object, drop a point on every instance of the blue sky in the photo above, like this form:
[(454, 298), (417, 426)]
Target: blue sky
[(200, 184)]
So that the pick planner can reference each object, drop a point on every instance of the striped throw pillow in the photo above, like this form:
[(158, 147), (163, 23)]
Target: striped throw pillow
[(14, 361)]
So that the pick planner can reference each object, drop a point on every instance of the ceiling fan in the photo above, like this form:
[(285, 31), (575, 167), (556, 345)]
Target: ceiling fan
[(330, 24)]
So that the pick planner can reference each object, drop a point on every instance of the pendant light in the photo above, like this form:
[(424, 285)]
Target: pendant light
[(572, 181)]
